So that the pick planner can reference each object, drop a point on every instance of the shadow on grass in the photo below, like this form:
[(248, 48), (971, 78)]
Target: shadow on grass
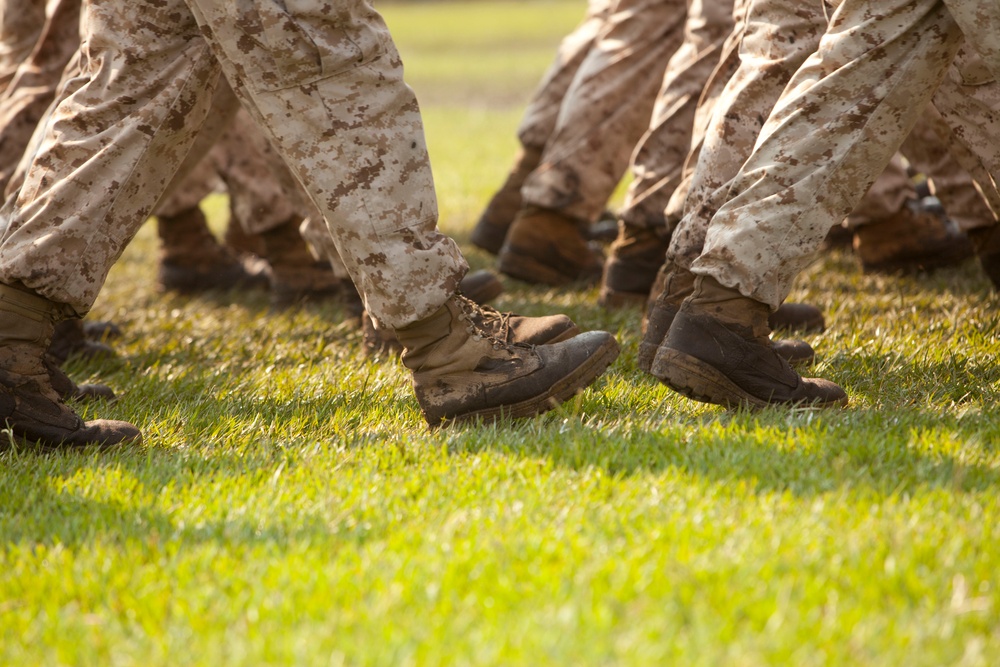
[(882, 452)]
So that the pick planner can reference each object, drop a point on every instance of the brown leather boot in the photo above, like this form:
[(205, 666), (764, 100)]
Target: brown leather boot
[(30, 406), (491, 230), (986, 241), (718, 351), (382, 341), (678, 285), (70, 340), (630, 271), (462, 372), (296, 275), (914, 239), (192, 260), (547, 248)]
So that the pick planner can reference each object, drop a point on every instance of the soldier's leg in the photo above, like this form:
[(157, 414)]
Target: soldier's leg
[(538, 124), (96, 175), (21, 23), (826, 140), (371, 181), (659, 158), (604, 114), (32, 87), (967, 100)]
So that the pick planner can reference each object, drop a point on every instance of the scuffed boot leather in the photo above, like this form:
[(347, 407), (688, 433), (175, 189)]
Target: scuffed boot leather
[(30, 406), (462, 372)]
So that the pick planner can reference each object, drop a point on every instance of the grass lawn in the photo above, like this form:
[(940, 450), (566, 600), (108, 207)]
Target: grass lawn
[(290, 507)]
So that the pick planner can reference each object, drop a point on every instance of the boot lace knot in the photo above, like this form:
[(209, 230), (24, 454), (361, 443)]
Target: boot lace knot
[(484, 322)]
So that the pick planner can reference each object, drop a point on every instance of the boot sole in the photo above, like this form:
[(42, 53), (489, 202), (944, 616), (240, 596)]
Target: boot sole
[(569, 386), (702, 382)]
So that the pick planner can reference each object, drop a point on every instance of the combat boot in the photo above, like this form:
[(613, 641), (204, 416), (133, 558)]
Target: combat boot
[(240, 240), (491, 230), (70, 340), (296, 275), (382, 341), (678, 285), (30, 406), (986, 241), (718, 351), (630, 271), (193, 261), (916, 238), (547, 248), (462, 372)]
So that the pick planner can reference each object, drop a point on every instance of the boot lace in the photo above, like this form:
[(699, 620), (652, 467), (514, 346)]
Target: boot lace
[(484, 322)]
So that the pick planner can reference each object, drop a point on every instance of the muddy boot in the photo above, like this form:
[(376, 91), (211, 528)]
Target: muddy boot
[(462, 372), (508, 327), (29, 404), (192, 261), (71, 391), (70, 340), (986, 241), (97, 330), (547, 248), (239, 240), (296, 275), (914, 239), (718, 351), (677, 285), (491, 230), (630, 271)]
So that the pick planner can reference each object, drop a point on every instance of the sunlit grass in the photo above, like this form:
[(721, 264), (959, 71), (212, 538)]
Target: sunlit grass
[(289, 506)]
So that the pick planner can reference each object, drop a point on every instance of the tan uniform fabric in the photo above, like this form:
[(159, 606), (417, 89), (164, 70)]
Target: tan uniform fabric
[(21, 22), (843, 115), (657, 164), (326, 83), (780, 36), (35, 78), (542, 112), (606, 108)]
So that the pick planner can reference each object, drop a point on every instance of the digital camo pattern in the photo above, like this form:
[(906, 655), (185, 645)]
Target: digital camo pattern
[(780, 37), (841, 118), (21, 23), (542, 111), (674, 135), (323, 79), (55, 35), (606, 108), (774, 39)]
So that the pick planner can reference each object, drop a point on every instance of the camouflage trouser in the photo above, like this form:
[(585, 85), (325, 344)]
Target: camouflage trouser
[(258, 200), (242, 160), (841, 118), (539, 120), (928, 153), (33, 83), (658, 162), (605, 109), (21, 23), (325, 84)]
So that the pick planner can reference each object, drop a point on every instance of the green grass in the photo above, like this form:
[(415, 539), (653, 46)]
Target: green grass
[(289, 506)]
